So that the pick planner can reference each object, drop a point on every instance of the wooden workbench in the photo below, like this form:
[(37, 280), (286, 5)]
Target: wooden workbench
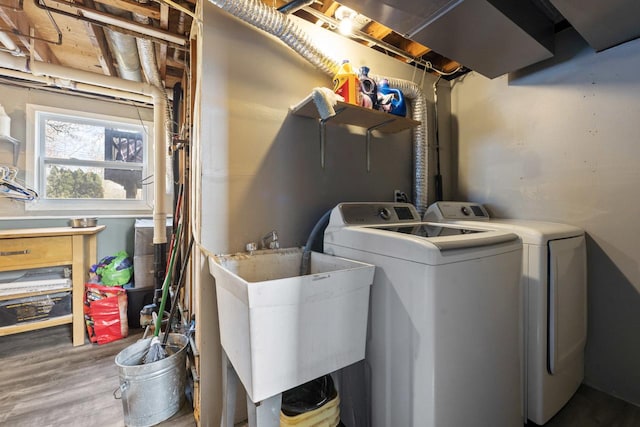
[(22, 249)]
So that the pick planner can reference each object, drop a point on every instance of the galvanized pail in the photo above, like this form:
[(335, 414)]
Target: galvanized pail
[(151, 392)]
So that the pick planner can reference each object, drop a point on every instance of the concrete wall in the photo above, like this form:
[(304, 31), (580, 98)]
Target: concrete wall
[(559, 142), (259, 166)]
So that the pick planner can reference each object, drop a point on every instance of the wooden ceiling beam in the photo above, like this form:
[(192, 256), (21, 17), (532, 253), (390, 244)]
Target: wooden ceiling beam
[(18, 21), (414, 49), (150, 10), (164, 24), (99, 42), (174, 63), (376, 30)]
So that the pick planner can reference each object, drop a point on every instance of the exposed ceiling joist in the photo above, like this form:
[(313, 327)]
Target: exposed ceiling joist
[(150, 10), (164, 24), (99, 42), (17, 21)]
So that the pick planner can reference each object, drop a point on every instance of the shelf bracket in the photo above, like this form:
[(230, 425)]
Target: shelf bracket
[(16, 147), (323, 135), (369, 131)]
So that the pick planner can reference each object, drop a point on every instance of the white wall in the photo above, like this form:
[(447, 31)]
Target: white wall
[(561, 142), (260, 166)]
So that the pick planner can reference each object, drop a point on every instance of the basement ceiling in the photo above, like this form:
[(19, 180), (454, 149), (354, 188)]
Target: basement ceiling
[(76, 33)]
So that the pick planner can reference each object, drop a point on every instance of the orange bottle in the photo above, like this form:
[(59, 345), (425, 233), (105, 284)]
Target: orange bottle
[(346, 84)]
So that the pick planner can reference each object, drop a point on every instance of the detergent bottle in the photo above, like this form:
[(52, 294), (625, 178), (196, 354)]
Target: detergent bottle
[(346, 84), (391, 100), (368, 88)]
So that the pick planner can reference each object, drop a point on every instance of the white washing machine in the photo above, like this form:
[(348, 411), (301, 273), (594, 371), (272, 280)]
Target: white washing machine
[(444, 343), (554, 284)]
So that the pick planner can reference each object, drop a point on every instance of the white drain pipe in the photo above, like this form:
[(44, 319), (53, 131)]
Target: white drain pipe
[(268, 19), (44, 70), (160, 143)]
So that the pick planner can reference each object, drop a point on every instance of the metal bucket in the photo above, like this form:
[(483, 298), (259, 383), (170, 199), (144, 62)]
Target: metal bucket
[(151, 392)]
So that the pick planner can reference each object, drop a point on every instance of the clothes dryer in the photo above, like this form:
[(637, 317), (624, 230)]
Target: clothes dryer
[(554, 284), (443, 342)]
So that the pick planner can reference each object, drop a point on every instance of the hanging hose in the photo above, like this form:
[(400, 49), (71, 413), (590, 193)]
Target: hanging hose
[(305, 265)]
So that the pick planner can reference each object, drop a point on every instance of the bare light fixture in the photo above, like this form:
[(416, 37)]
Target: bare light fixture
[(345, 17)]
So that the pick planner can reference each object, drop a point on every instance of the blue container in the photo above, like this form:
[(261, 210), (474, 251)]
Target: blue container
[(391, 100)]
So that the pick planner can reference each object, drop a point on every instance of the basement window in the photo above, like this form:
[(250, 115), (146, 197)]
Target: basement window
[(84, 161)]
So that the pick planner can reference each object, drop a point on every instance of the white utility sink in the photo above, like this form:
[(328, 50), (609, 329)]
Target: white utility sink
[(280, 329)]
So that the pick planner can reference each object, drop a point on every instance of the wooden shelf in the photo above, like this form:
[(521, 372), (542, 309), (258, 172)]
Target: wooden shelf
[(24, 249), (34, 293), (35, 324), (349, 114)]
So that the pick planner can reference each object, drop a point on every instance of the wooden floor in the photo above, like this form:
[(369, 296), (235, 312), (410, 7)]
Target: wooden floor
[(592, 408), (45, 381)]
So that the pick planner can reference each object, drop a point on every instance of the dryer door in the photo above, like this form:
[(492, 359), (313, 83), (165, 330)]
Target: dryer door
[(567, 302)]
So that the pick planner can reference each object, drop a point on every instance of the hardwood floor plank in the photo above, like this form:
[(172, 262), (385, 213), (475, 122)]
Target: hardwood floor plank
[(45, 381)]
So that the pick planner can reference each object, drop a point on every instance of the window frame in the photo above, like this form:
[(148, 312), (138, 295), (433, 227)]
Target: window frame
[(37, 163)]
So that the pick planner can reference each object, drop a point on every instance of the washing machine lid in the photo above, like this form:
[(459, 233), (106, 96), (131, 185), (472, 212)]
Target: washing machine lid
[(469, 214), (394, 229)]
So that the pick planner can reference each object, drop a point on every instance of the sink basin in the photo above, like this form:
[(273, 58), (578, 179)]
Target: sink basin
[(280, 329)]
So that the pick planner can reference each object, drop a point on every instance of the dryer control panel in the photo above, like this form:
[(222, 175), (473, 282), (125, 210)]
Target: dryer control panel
[(377, 213), (440, 211)]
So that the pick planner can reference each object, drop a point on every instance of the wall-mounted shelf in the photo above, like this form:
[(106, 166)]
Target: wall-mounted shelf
[(349, 114)]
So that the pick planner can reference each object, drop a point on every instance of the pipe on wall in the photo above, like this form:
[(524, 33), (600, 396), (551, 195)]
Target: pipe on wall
[(268, 19), (41, 69), (80, 87)]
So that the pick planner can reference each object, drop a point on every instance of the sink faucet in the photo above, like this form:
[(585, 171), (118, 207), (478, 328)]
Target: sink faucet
[(274, 243)]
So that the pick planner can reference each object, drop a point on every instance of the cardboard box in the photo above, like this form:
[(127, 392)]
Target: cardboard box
[(143, 238), (34, 308)]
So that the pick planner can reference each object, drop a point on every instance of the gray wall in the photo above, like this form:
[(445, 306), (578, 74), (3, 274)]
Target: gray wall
[(119, 232), (559, 142), (260, 164), (258, 167)]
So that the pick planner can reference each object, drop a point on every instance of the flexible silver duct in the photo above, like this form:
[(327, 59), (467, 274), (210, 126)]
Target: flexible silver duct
[(263, 17), (123, 48), (149, 62), (414, 93)]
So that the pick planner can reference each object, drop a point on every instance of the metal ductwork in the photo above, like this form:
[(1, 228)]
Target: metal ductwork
[(263, 17), (603, 24), (492, 37), (123, 48)]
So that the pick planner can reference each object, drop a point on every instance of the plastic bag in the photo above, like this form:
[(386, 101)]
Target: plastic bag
[(308, 396), (105, 313), (114, 270)]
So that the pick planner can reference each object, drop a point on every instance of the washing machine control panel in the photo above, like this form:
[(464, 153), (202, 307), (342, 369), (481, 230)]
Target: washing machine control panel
[(440, 211), (378, 213)]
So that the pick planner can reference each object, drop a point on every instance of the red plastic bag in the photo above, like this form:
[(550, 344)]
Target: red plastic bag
[(105, 313)]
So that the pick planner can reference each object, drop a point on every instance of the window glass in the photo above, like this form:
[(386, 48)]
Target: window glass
[(86, 158)]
